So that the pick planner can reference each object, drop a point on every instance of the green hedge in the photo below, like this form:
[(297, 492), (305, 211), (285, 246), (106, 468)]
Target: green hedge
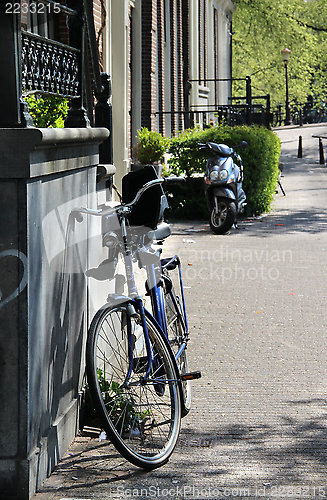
[(260, 160)]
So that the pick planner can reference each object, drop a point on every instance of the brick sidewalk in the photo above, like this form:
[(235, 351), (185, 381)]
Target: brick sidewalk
[(257, 311)]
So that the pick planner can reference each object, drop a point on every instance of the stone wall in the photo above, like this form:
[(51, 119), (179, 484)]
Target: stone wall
[(45, 303)]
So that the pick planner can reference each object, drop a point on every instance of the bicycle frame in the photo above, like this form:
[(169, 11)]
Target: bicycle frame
[(157, 300), (156, 291)]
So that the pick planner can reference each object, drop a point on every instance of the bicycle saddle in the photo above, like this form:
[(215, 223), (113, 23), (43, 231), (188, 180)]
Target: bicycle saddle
[(160, 233)]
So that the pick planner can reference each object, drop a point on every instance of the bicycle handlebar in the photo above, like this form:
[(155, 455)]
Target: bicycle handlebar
[(123, 207), (142, 190)]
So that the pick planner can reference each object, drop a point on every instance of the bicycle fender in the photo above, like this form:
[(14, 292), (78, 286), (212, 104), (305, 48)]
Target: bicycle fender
[(114, 299)]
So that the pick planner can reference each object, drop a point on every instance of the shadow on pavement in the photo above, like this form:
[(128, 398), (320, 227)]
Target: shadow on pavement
[(288, 449), (312, 221), (283, 221)]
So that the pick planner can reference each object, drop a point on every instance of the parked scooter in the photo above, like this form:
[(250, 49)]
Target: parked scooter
[(223, 186)]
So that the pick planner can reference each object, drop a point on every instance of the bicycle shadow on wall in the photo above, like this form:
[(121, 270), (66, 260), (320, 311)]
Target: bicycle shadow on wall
[(62, 286), (52, 316)]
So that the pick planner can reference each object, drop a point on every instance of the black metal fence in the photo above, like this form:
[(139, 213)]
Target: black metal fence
[(247, 110), (311, 112), (237, 114)]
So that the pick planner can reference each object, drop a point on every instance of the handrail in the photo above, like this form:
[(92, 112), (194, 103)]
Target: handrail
[(41, 38), (195, 109), (219, 80), (88, 8), (226, 106)]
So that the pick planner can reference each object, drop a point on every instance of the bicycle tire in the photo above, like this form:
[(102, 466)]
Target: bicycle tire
[(177, 335), (142, 421)]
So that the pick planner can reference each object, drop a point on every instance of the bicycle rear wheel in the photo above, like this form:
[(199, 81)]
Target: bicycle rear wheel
[(177, 336), (141, 419)]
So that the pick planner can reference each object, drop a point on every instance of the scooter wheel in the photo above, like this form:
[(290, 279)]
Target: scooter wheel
[(222, 221)]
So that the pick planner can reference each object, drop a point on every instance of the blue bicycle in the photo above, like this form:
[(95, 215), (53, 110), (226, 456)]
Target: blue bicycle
[(136, 362)]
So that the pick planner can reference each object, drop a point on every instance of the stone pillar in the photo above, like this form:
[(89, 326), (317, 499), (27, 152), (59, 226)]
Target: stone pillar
[(44, 174)]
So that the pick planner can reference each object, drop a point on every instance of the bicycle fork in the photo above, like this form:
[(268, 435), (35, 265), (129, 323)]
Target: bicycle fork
[(134, 312)]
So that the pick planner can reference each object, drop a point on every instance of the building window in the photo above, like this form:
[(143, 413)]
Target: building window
[(216, 52), (40, 22), (202, 41)]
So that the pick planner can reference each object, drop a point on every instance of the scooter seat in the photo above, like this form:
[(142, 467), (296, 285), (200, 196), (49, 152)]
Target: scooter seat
[(221, 149)]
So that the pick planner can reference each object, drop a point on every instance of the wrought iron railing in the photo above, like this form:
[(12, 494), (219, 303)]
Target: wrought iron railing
[(247, 111), (49, 67), (69, 70)]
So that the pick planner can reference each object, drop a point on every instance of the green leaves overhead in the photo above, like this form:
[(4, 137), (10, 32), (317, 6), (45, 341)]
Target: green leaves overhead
[(262, 29)]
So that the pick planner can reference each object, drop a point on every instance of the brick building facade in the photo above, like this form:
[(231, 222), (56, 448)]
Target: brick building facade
[(169, 43), (165, 57)]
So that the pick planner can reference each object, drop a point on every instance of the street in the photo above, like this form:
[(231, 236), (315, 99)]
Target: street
[(257, 312)]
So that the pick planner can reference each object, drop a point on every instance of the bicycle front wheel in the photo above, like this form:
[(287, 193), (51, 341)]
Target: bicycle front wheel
[(141, 417)]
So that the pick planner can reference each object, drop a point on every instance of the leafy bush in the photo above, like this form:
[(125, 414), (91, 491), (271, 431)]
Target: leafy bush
[(150, 147), (47, 110), (260, 159), (187, 158)]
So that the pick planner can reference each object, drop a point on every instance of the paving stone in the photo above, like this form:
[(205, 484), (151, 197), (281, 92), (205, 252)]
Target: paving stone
[(257, 312)]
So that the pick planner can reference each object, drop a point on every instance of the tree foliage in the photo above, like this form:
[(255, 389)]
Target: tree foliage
[(262, 28)]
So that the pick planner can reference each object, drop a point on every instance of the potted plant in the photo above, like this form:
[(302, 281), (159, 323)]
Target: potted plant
[(149, 149)]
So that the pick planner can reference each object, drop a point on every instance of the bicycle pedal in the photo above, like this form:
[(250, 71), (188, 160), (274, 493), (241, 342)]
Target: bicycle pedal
[(190, 376)]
